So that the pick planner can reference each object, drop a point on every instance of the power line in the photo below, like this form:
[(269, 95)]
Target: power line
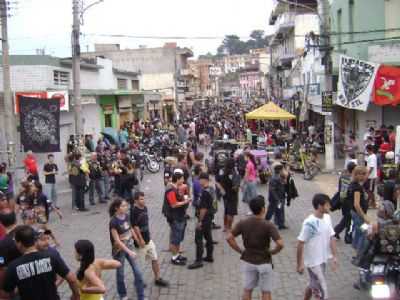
[(155, 37)]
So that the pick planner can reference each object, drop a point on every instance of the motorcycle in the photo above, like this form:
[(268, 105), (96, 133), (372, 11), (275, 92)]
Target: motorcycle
[(152, 165), (381, 277)]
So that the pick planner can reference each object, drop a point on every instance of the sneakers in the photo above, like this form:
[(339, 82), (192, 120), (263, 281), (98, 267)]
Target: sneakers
[(182, 257), (178, 261), (195, 265), (161, 282)]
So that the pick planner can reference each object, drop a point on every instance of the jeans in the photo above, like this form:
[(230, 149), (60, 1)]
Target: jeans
[(79, 192), (107, 186), (206, 233), (50, 192), (278, 211), (345, 223), (73, 193), (250, 191), (358, 235), (139, 283), (97, 184)]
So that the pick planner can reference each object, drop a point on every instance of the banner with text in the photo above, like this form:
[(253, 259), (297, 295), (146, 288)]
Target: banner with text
[(356, 82), (40, 124)]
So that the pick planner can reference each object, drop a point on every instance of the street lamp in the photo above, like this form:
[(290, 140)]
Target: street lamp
[(76, 57)]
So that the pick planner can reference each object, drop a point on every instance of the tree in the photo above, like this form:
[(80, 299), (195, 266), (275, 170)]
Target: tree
[(232, 45)]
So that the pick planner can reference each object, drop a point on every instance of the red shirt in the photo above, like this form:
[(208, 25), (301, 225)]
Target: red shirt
[(385, 147), (31, 165)]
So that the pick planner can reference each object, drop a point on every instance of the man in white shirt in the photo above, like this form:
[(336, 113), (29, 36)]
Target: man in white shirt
[(372, 169), (316, 245)]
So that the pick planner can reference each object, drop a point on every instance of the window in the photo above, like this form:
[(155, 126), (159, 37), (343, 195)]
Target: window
[(122, 84), (351, 20), (107, 120), (339, 28), (61, 78), (135, 85)]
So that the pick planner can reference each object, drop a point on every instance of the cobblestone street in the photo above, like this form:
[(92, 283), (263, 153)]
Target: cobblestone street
[(220, 280)]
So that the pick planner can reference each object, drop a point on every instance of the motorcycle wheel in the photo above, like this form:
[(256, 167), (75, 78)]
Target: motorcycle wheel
[(308, 175), (153, 166)]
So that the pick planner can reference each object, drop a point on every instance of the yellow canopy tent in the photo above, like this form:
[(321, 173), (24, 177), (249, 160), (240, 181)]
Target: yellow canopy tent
[(269, 111)]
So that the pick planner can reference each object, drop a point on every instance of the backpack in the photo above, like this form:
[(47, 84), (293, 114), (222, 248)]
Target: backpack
[(213, 194), (166, 208)]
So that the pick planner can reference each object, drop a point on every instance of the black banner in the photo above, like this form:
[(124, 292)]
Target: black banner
[(40, 124)]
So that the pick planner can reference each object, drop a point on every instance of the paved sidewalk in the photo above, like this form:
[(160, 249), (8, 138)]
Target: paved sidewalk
[(221, 280)]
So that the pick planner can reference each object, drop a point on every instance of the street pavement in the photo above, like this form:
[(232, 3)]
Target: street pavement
[(220, 280)]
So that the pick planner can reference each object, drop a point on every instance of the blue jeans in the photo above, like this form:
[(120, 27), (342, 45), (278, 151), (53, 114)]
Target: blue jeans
[(358, 235), (97, 184), (250, 191), (139, 283), (50, 192), (107, 183)]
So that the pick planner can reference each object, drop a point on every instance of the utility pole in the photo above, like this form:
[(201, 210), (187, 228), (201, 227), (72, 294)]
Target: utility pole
[(76, 67), (325, 50), (9, 120)]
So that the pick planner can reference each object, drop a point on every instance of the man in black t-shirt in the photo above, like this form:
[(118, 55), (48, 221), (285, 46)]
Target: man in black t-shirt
[(50, 170), (204, 225), (8, 248), (34, 273), (140, 224)]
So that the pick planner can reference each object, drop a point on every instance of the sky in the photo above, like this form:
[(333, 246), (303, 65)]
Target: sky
[(46, 24)]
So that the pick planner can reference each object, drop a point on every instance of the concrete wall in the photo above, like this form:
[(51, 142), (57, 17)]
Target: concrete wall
[(157, 81), (152, 60), (392, 20), (303, 25), (368, 15)]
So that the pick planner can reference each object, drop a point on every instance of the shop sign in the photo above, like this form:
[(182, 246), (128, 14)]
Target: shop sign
[(327, 102)]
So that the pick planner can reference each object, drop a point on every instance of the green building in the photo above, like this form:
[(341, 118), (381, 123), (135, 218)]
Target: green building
[(365, 29)]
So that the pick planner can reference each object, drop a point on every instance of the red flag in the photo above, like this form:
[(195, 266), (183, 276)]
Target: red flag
[(387, 86)]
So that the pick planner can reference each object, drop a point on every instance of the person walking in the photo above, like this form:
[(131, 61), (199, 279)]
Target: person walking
[(122, 240), (204, 224), (139, 218), (277, 197), (316, 245), (229, 183), (256, 256), (249, 186), (50, 171), (345, 222)]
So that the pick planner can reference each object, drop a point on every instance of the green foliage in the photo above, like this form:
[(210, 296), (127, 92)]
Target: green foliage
[(232, 44)]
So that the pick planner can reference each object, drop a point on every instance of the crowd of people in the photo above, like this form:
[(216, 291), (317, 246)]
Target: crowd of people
[(32, 268)]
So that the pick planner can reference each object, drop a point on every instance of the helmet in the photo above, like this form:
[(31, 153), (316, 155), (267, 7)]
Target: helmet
[(389, 155)]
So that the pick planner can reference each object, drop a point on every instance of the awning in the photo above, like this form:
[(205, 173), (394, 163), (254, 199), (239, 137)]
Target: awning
[(269, 111)]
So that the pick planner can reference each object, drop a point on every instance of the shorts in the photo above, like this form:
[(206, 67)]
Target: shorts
[(317, 283), (231, 205), (177, 232), (258, 275), (369, 185), (149, 252)]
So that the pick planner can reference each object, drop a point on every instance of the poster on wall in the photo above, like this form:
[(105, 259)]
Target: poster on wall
[(356, 82), (327, 102), (40, 124)]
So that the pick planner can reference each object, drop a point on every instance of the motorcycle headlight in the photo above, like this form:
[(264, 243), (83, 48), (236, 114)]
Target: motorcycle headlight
[(380, 291)]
